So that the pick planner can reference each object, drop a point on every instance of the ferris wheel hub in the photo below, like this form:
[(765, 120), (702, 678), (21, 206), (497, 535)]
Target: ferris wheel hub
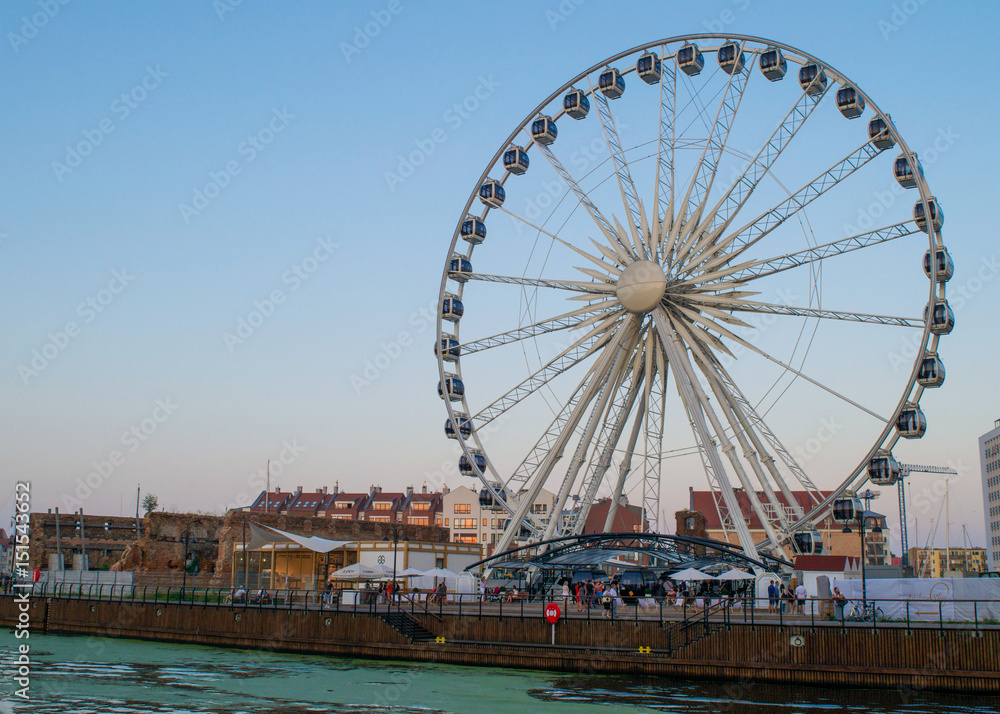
[(641, 287)]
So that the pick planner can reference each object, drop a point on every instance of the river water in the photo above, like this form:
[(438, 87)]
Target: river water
[(89, 675)]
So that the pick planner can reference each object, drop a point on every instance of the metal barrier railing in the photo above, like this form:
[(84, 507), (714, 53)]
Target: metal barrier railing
[(676, 612)]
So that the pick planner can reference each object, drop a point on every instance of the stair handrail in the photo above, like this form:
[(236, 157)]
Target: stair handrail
[(417, 602), (702, 615)]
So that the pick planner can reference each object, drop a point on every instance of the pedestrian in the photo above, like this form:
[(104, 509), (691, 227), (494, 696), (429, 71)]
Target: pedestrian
[(612, 594), (800, 596), (565, 593), (482, 589), (772, 596), (787, 600), (839, 600)]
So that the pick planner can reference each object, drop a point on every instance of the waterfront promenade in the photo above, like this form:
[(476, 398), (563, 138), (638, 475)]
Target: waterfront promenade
[(740, 645)]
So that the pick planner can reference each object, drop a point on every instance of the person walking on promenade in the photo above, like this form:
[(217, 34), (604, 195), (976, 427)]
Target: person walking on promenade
[(772, 597), (800, 596), (482, 589), (565, 594)]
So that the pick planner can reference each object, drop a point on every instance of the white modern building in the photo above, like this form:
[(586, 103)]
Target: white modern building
[(470, 519), (989, 460)]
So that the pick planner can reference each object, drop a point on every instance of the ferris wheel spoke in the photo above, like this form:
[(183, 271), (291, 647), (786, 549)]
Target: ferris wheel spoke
[(741, 190), (566, 321), (619, 409), (617, 376), (758, 428), (741, 426), (699, 356), (772, 309), (701, 186), (698, 409), (626, 187), (663, 203), (612, 269), (623, 470), (574, 285), (739, 241), (591, 385), (772, 266), (581, 196), (655, 418), (567, 359), (695, 317)]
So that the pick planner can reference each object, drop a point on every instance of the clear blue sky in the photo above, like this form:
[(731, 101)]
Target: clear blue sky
[(130, 238)]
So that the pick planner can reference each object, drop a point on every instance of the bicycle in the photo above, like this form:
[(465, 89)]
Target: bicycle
[(864, 612)]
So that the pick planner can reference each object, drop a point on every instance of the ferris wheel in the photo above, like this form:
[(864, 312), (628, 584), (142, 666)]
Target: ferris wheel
[(689, 258)]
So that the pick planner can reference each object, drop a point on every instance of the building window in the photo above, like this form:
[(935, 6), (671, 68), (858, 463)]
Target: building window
[(383, 506), (419, 521), (421, 506), (465, 523), (689, 523), (379, 519), (463, 508), (484, 522), (539, 508), (465, 539)]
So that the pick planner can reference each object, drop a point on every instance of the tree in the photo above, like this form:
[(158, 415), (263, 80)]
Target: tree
[(150, 502)]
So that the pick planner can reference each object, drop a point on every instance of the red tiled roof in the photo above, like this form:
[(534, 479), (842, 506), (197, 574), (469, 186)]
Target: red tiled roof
[(275, 500), (704, 501), (306, 501)]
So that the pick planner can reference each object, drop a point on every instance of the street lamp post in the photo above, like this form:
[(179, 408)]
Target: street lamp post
[(860, 519), (393, 533)]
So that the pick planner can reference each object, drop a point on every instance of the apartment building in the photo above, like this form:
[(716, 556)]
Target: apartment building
[(472, 517), (937, 562), (989, 461)]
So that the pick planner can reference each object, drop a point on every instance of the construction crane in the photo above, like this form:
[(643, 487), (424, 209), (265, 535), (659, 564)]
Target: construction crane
[(904, 471)]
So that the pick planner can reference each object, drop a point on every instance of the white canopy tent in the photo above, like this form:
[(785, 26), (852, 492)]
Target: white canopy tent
[(360, 571), (261, 535), (691, 574), (411, 573), (737, 574)]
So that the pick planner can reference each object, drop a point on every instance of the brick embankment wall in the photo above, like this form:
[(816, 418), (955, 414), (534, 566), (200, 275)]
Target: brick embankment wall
[(955, 660)]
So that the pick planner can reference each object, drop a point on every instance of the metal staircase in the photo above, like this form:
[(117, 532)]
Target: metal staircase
[(406, 625)]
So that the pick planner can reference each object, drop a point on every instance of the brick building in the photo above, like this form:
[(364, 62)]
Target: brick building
[(714, 516)]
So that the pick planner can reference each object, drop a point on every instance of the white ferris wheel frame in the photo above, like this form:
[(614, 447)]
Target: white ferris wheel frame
[(780, 537)]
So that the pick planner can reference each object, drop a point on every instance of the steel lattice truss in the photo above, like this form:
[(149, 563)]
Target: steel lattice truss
[(641, 267), (660, 552)]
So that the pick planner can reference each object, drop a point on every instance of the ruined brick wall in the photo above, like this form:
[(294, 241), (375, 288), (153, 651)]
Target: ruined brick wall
[(112, 542), (333, 529), (106, 538), (691, 523), (161, 549)]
